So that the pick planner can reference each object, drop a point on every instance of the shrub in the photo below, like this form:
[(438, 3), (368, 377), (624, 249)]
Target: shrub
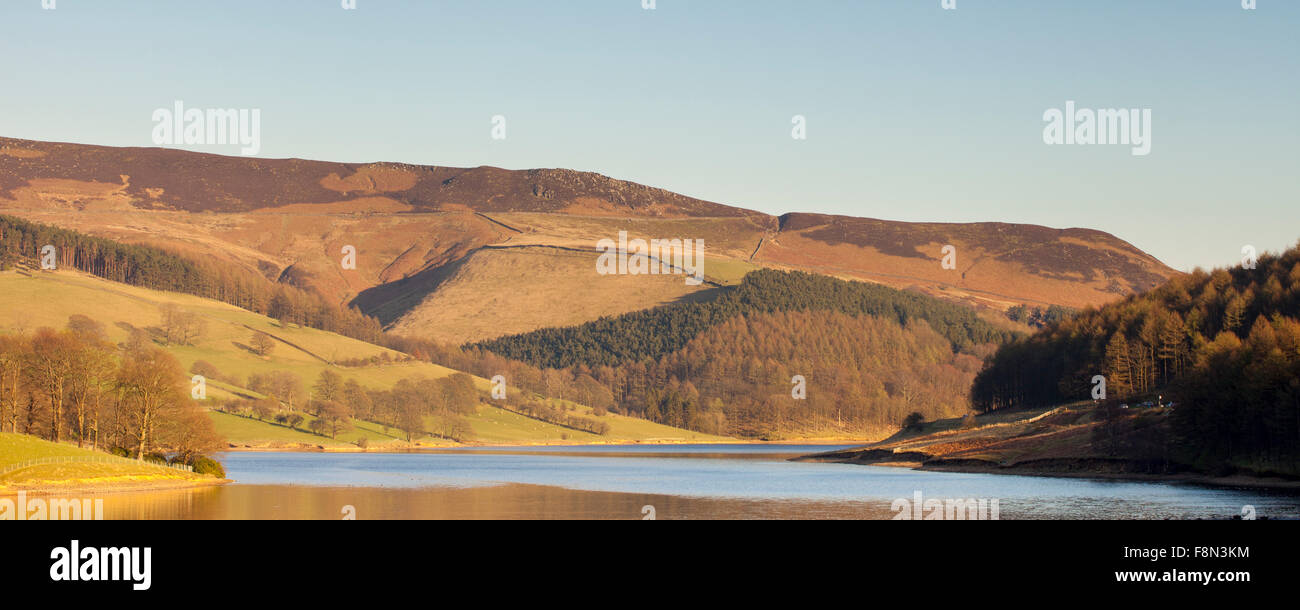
[(207, 465)]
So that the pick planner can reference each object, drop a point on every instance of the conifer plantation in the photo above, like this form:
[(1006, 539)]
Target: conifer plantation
[(1223, 346), (871, 356), (159, 269), (660, 331)]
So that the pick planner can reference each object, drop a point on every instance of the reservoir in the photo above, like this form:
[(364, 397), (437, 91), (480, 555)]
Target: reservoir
[(661, 481)]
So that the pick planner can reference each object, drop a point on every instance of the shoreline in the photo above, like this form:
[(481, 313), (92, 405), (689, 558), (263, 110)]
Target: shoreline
[(389, 448), (110, 485), (1234, 480), (1240, 481), (1049, 442)]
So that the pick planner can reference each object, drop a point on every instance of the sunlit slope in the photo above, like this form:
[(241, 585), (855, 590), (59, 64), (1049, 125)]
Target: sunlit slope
[(429, 240), (30, 300), (497, 292), (489, 424), (495, 425), (74, 467), (545, 276)]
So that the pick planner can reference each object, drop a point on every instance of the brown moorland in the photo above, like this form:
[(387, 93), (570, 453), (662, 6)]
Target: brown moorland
[(466, 254)]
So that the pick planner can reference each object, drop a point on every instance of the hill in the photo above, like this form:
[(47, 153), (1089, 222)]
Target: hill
[(864, 357), (657, 332), (432, 241), (33, 299)]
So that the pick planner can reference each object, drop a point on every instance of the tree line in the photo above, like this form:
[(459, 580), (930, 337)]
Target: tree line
[(1222, 343), (159, 269), (654, 333), (413, 406), (773, 375), (1038, 317), (74, 384), (863, 373)]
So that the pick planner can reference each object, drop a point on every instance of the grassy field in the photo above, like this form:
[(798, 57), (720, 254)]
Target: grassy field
[(86, 468), (495, 425), (49, 298), (239, 429), (489, 424), (462, 311)]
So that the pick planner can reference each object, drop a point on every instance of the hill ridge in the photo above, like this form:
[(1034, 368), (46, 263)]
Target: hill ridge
[(287, 219)]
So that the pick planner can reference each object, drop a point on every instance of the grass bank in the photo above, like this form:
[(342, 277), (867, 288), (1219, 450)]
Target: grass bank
[(66, 468)]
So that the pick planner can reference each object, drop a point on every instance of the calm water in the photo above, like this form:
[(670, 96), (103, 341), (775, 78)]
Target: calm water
[(679, 482)]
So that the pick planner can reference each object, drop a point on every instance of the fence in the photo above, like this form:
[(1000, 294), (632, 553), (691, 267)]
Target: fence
[(95, 459)]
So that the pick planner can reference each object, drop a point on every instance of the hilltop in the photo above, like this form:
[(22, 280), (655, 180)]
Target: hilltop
[(470, 254)]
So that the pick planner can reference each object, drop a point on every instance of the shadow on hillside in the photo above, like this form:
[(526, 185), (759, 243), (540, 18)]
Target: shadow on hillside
[(388, 302), (700, 296)]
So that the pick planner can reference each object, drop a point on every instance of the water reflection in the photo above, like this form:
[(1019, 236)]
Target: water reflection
[(492, 502)]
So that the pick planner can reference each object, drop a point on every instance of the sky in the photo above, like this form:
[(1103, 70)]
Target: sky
[(913, 112)]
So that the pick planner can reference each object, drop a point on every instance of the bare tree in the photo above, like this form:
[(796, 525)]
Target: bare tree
[(13, 350), (171, 322), (92, 375), (152, 384), (48, 366), (262, 344), (335, 416), (192, 328), (286, 387)]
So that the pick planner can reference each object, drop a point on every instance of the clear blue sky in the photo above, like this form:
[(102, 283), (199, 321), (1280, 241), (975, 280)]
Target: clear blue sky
[(914, 113)]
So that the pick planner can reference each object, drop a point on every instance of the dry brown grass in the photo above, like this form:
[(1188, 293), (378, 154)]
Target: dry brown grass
[(502, 292), (1009, 438), (291, 218)]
